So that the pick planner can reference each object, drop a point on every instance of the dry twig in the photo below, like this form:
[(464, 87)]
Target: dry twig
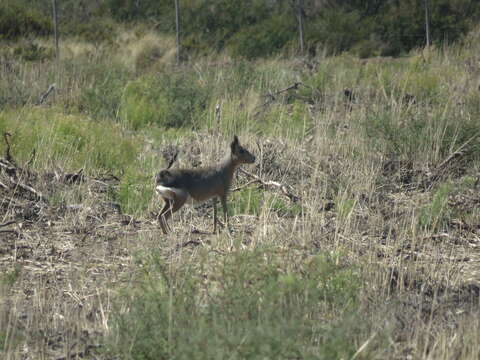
[(27, 188), (272, 96), (45, 95), (268, 183), (435, 174), (8, 223)]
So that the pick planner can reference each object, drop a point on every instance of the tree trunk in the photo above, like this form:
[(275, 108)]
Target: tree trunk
[(300, 24), (177, 29), (427, 22), (55, 29)]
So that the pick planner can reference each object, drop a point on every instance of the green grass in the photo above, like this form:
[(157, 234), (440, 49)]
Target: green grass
[(72, 142), (276, 309), (276, 287), (170, 99), (135, 192), (253, 201), (435, 215), (10, 277), (69, 141)]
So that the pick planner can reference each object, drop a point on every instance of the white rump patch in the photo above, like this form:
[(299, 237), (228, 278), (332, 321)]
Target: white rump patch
[(170, 192)]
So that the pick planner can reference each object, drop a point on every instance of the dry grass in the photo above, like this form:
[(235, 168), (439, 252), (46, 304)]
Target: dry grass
[(398, 209)]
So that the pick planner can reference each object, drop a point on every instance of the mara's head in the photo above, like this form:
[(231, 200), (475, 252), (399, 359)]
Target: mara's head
[(163, 177), (240, 155)]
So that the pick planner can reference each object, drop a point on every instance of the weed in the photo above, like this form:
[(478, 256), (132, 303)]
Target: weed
[(135, 192), (247, 201), (10, 277), (434, 216)]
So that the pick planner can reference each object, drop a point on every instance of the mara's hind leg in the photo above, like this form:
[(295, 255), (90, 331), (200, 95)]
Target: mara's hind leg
[(176, 203), (162, 218)]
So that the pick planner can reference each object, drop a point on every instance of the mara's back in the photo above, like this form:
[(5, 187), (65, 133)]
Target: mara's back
[(201, 184)]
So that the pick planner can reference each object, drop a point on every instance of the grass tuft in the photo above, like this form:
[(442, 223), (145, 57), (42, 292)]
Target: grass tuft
[(274, 309)]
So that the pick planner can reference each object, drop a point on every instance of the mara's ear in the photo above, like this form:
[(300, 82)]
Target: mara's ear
[(234, 143)]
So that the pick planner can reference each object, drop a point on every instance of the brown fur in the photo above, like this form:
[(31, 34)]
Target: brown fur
[(202, 184)]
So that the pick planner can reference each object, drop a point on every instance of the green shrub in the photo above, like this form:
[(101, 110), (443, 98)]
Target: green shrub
[(383, 130), (32, 52), (17, 20), (105, 85), (263, 39), (247, 201), (9, 277), (402, 24), (98, 31), (252, 200), (440, 134), (165, 100), (336, 30), (242, 76)]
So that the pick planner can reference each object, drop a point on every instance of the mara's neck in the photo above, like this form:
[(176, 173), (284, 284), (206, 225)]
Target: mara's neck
[(228, 167)]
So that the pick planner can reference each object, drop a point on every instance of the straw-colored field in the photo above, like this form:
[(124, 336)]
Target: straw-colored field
[(366, 246)]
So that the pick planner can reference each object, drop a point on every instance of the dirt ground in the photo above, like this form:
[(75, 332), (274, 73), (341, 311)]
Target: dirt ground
[(62, 261)]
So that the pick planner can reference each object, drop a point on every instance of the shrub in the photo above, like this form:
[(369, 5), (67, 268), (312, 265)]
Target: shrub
[(101, 96), (166, 100), (263, 39), (32, 52), (336, 30), (17, 20)]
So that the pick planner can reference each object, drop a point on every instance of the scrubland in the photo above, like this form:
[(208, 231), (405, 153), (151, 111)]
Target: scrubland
[(374, 255)]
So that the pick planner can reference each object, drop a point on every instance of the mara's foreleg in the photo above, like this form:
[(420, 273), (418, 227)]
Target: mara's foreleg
[(225, 210)]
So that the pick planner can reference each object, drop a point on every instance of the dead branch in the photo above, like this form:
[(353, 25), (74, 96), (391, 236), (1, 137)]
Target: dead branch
[(80, 354), (172, 160), (170, 154), (435, 174), (294, 86), (46, 94), (272, 96), (8, 223), (74, 178), (254, 181), (9, 164), (10, 170), (28, 188), (10, 232), (269, 183), (459, 152), (32, 158), (8, 155)]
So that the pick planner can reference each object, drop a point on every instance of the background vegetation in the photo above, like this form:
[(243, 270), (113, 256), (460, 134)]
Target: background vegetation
[(255, 28), (377, 256)]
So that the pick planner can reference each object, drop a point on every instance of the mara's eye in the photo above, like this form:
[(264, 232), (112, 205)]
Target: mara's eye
[(242, 151)]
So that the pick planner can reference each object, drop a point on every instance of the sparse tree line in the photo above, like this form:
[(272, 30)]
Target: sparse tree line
[(255, 28)]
